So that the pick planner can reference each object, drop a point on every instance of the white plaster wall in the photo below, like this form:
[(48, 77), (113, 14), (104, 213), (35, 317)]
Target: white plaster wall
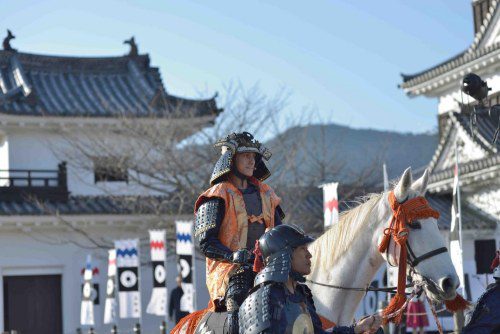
[(487, 199), (44, 149), (4, 157), (478, 283), (468, 150), (23, 255)]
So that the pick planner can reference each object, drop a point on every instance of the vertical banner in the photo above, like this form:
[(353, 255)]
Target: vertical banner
[(110, 304), (158, 303), (127, 262), (87, 309), (185, 252), (386, 178), (331, 203), (455, 245)]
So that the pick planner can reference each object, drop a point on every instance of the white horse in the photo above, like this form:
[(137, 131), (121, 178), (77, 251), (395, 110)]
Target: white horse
[(347, 254)]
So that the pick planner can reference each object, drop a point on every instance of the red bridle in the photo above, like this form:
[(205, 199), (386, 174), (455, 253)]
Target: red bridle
[(403, 214)]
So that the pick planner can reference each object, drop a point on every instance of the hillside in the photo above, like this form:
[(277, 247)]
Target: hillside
[(334, 152)]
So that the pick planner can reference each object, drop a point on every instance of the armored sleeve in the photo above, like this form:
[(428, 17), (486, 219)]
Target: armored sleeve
[(318, 329), (207, 225)]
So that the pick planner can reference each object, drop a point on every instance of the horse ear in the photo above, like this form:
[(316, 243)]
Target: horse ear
[(420, 185), (404, 185)]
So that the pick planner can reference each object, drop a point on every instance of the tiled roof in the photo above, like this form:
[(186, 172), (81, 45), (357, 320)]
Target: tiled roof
[(485, 129), (96, 205), (460, 59), (471, 219), (483, 136), (42, 85), (466, 168), (484, 25)]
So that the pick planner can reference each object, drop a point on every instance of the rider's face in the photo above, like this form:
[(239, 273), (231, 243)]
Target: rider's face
[(301, 260), (245, 163)]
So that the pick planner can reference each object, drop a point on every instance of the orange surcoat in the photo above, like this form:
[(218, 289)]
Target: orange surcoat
[(234, 228)]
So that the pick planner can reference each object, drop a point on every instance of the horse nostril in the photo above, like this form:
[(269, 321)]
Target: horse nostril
[(447, 284)]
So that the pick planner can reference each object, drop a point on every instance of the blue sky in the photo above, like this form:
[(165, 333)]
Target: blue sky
[(341, 58)]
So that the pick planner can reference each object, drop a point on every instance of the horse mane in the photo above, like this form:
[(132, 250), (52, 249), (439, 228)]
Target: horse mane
[(342, 234)]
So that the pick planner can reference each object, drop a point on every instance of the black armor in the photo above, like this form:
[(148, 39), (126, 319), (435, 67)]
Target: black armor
[(277, 269), (239, 286), (254, 313), (272, 309), (277, 246), (206, 230)]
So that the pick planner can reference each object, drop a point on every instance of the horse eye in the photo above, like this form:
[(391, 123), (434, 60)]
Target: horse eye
[(415, 225)]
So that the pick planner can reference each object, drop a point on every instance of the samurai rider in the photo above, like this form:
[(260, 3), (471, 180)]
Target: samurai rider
[(484, 318), (280, 301), (231, 216)]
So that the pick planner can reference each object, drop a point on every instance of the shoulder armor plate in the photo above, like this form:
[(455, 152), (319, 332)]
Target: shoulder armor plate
[(255, 312), (206, 216)]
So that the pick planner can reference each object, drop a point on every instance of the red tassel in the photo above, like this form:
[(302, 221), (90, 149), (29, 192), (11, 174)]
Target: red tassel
[(258, 265), (457, 304), (396, 303)]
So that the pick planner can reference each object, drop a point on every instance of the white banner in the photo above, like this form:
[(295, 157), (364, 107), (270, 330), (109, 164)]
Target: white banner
[(158, 302), (110, 303), (330, 203), (87, 309), (455, 249), (127, 262), (185, 261), (184, 240)]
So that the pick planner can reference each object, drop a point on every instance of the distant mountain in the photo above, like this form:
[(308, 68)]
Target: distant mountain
[(334, 152)]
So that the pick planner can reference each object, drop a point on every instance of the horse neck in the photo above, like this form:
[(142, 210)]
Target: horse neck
[(356, 268)]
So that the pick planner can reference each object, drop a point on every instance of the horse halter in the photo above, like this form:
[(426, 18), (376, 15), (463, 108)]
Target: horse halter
[(409, 211), (412, 259), (403, 215)]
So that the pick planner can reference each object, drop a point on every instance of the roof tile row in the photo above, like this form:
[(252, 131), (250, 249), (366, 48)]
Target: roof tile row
[(97, 87)]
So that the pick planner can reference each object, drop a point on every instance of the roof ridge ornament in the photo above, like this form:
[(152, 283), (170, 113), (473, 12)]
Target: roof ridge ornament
[(134, 50), (6, 41)]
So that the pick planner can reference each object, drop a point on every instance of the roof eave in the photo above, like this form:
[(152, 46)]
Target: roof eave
[(474, 177), (446, 80)]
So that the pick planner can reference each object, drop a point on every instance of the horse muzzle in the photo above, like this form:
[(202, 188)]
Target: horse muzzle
[(444, 289)]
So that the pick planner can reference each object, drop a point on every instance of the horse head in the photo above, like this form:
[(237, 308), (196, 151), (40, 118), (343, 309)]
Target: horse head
[(433, 267)]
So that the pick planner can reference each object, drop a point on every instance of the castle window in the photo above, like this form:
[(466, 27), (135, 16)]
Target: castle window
[(110, 169)]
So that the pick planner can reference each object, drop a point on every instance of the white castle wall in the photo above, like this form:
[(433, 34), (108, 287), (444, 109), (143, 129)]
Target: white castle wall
[(23, 254), (43, 148)]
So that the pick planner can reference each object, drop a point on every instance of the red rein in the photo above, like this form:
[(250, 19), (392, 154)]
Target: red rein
[(403, 214)]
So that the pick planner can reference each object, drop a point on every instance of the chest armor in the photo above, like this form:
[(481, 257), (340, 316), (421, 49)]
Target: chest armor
[(298, 319), (253, 207)]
